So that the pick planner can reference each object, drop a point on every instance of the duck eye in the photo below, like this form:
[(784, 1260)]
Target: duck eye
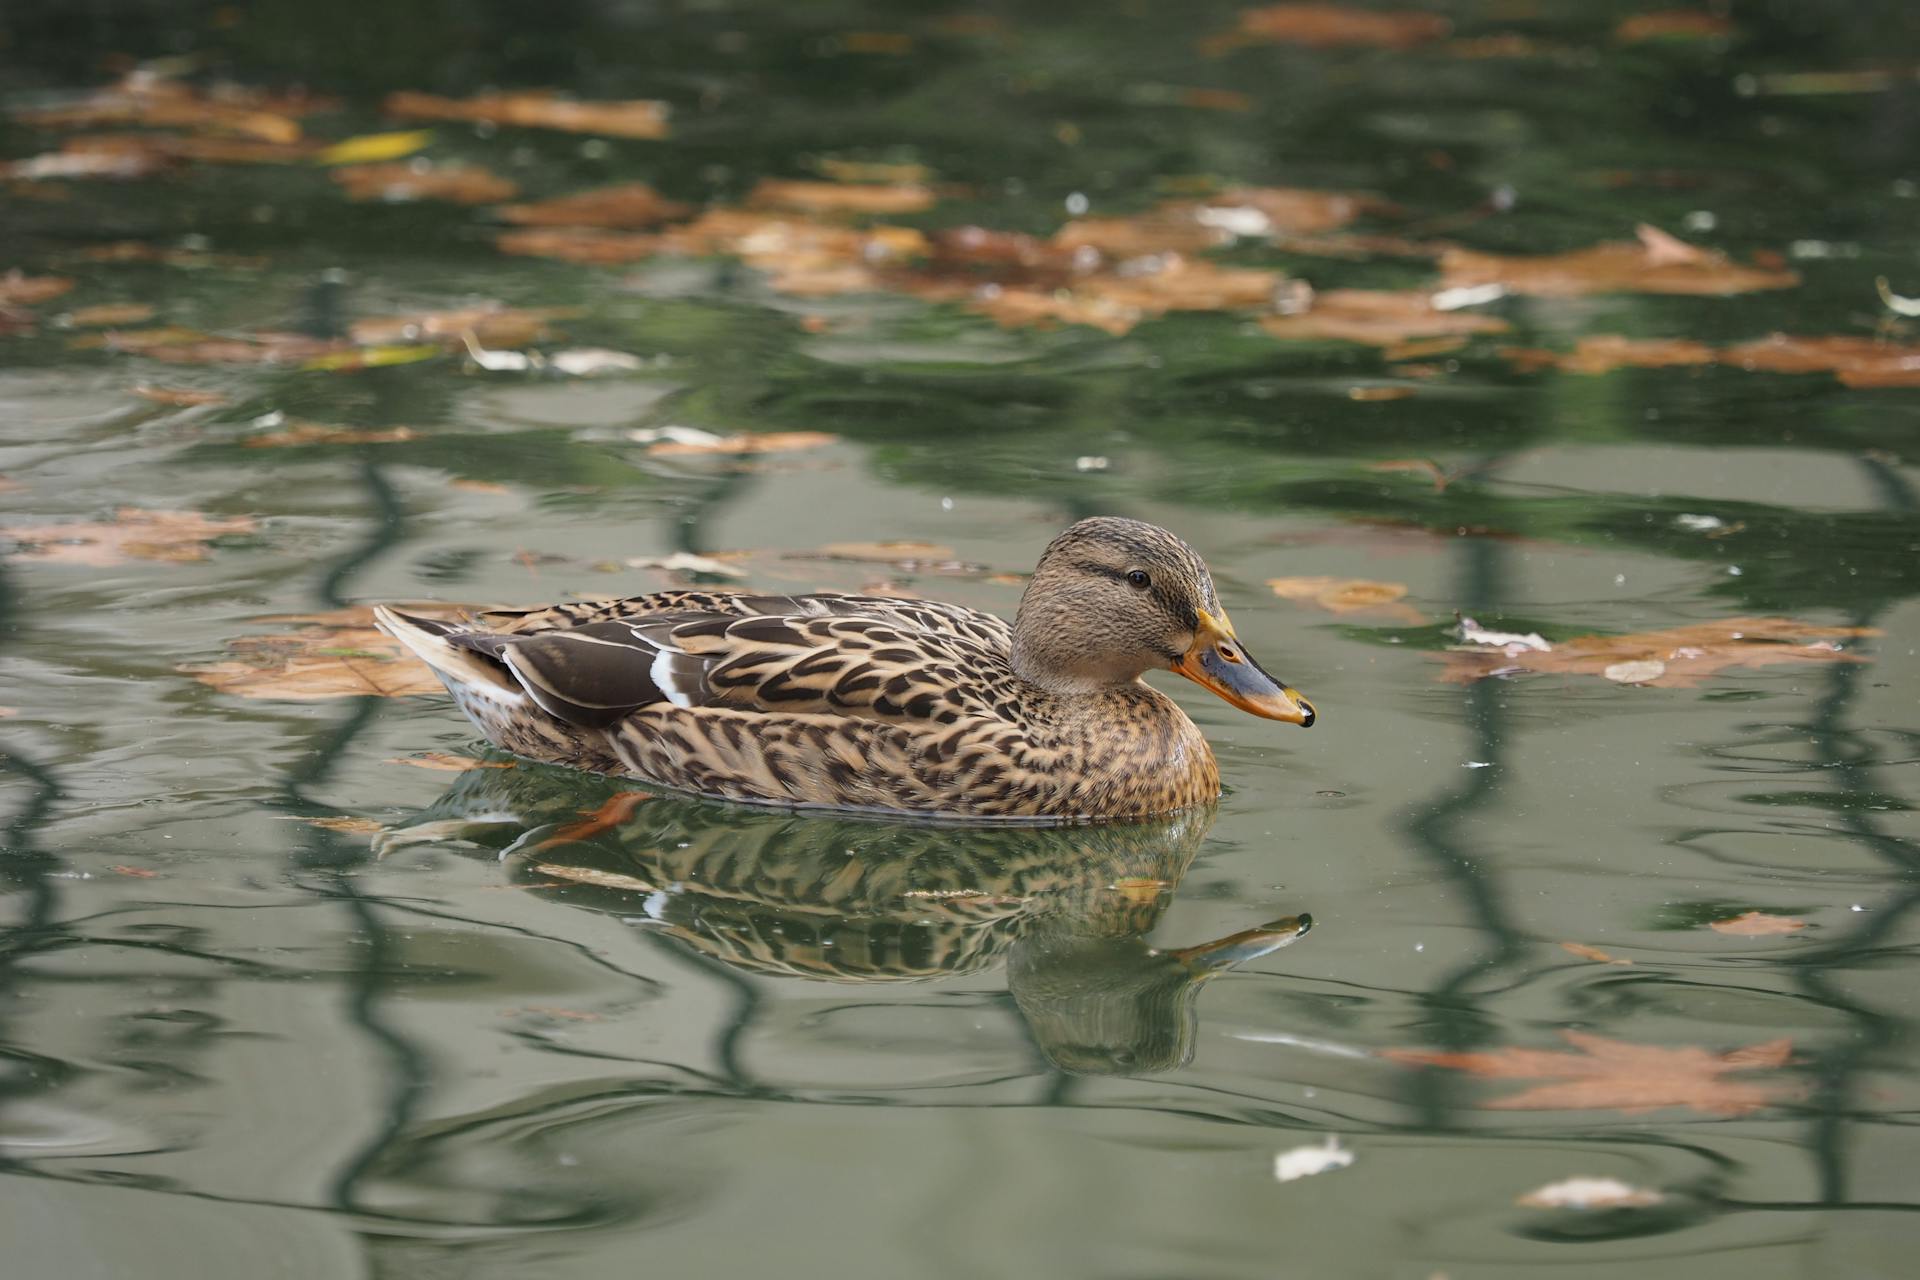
[(1139, 578)]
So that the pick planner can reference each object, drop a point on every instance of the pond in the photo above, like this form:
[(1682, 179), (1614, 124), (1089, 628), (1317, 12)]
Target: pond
[(1451, 339)]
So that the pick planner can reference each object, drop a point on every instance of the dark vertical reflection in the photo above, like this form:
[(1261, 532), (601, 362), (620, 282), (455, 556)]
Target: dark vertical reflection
[(1452, 1016)]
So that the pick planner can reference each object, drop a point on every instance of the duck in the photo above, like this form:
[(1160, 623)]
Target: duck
[(879, 704)]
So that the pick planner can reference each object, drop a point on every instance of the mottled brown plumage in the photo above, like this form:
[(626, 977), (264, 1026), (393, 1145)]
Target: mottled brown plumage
[(862, 702)]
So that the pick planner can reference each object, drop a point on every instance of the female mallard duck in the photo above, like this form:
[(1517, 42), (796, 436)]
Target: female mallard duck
[(858, 702)]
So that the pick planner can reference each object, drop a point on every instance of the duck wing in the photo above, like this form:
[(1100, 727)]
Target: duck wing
[(932, 616), (870, 666)]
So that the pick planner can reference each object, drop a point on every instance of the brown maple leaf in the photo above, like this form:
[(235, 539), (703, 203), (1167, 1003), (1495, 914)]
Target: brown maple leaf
[(1613, 1075)]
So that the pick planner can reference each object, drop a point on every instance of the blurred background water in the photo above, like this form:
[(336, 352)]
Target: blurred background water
[(465, 1029)]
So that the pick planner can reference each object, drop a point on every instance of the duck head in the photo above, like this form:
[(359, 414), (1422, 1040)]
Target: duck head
[(1113, 599)]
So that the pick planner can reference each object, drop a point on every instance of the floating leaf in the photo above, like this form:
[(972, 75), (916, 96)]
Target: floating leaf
[(1379, 318), (352, 826), (879, 199), (1688, 653), (1589, 1193), (1656, 263), (17, 289), (298, 434), (169, 104), (176, 345), (331, 655), (1673, 24), (1757, 924), (1328, 26), (446, 763), (534, 109), (1613, 1075), (1603, 353), (137, 873), (1349, 595), (489, 324), (108, 314), (1856, 361), (902, 172), (372, 148), (687, 562), (586, 245), (399, 183), (1594, 954), (625, 206), (596, 877), (132, 534), (745, 442)]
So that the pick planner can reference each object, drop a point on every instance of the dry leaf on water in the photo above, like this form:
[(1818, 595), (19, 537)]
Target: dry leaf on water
[(1329, 26), (631, 118), (17, 289), (1613, 1075), (1594, 954), (352, 826), (1377, 318), (1757, 924), (1655, 263), (1673, 24), (132, 534), (1603, 353), (1589, 1193), (107, 314), (904, 172), (1856, 361), (446, 763), (330, 655), (400, 182), (1687, 654), (297, 434), (136, 873), (489, 324), (175, 345), (1349, 595), (168, 104), (685, 442), (621, 207), (879, 199)]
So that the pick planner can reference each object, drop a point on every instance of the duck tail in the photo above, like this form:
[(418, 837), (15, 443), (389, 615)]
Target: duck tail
[(462, 669)]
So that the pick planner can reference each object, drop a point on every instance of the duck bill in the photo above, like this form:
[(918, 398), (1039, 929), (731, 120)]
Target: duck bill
[(1219, 662), (1249, 944)]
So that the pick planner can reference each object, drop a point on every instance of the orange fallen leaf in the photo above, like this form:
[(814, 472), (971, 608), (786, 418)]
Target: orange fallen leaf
[(906, 172), (1856, 361), (340, 654), (18, 289), (614, 812), (299, 434), (745, 442), (1594, 954), (108, 314), (132, 534), (1757, 924), (1672, 24), (880, 199), (1379, 318), (534, 109), (169, 104), (446, 763), (176, 345), (620, 207), (488, 324), (1656, 263), (1603, 353), (1328, 26), (477, 486), (1612, 1075), (1348, 595), (586, 245), (1684, 655), (1371, 395), (401, 181), (1440, 476), (352, 826)]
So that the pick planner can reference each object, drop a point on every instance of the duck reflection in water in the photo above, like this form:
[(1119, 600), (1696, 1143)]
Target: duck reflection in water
[(857, 899)]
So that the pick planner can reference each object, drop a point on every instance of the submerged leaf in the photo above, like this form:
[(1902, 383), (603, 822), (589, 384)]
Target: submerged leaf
[(1757, 924), (132, 534), (331, 655), (1613, 1075), (1349, 595), (1687, 654), (534, 109)]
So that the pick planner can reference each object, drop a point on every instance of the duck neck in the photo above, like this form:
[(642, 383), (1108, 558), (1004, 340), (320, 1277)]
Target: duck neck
[(1049, 650)]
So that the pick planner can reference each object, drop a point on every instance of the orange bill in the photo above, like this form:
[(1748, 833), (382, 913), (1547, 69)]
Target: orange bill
[(1219, 662)]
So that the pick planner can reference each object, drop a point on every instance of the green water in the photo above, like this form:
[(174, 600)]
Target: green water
[(713, 1042)]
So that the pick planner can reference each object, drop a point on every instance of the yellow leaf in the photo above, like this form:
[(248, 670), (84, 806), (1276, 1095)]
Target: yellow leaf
[(370, 147), (371, 357)]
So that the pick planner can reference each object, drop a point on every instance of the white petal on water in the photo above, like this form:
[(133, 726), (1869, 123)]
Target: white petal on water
[(1589, 1193), (1304, 1162), (1512, 641)]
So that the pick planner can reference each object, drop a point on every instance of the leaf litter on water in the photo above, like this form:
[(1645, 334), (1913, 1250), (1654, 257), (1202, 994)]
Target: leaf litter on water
[(1685, 654), (132, 534), (340, 654), (1757, 924)]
